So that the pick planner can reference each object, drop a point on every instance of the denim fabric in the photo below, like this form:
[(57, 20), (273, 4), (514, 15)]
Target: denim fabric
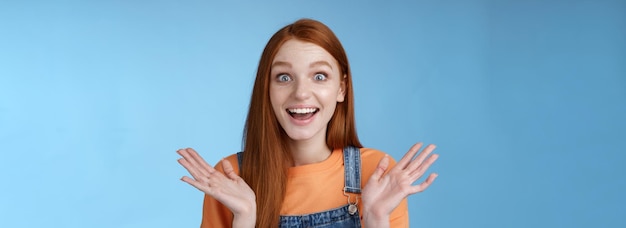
[(338, 217), (334, 218), (240, 159), (352, 169)]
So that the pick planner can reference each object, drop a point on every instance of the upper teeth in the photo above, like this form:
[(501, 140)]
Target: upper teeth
[(302, 110)]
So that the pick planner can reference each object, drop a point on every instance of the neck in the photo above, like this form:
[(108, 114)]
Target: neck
[(309, 151)]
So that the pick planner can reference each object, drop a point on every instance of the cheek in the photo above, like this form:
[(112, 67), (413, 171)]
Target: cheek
[(330, 93), (276, 98)]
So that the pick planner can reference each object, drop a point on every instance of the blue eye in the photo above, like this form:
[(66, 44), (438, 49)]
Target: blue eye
[(283, 78), (320, 77)]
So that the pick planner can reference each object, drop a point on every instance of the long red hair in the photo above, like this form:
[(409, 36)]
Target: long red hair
[(266, 154)]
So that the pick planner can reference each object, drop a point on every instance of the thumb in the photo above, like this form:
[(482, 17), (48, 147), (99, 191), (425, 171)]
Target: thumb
[(381, 168), (228, 170)]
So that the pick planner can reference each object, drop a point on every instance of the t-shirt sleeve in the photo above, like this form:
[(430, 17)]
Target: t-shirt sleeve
[(400, 216), (214, 213)]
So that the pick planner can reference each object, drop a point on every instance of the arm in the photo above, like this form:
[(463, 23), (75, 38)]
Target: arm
[(386, 190), (227, 188)]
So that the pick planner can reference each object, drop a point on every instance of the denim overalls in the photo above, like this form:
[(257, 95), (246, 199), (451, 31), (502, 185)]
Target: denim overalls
[(345, 216)]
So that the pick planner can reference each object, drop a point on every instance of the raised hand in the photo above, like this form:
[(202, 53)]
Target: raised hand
[(384, 191), (227, 188)]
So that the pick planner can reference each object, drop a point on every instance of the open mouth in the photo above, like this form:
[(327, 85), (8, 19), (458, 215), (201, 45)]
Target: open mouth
[(302, 113)]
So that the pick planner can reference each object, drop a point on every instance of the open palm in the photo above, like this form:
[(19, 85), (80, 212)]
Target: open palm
[(227, 188), (385, 190)]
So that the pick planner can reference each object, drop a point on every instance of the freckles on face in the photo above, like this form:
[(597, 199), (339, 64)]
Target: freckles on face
[(305, 86)]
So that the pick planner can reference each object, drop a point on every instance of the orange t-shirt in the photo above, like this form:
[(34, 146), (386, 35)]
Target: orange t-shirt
[(310, 189)]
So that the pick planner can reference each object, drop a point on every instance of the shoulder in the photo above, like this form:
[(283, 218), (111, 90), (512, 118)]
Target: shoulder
[(371, 156), (369, 161)]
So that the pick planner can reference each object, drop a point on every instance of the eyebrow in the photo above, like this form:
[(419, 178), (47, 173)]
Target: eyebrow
[(281, 63), (321, 62), (316, 63)]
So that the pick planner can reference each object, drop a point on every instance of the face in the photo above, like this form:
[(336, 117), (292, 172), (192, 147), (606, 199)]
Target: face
[(305, 86)]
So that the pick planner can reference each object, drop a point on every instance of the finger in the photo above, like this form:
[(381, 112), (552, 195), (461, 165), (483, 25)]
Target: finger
[(196, 184), (199, 159), (408, 156), (228, 170), (190, 168), (189, 180), (417, 173), (420, 158), (383, 164), (187, 157), (424, 185), (194, 159)]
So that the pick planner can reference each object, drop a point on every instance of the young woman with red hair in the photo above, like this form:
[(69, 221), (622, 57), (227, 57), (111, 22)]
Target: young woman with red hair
[(302, 164)]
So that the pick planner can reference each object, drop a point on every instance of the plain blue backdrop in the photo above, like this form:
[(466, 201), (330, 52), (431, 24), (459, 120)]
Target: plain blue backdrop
[(526, 101)]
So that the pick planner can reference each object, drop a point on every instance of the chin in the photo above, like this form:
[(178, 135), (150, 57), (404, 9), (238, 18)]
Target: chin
[(300, 135)]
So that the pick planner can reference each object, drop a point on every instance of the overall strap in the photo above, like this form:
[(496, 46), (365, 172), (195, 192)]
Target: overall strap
[(352, 172), (239, 159)]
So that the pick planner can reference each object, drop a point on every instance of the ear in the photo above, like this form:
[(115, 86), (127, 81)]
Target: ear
[(342, 89)]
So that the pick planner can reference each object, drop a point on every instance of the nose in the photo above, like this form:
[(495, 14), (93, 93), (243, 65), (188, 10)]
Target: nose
[(302, 90)]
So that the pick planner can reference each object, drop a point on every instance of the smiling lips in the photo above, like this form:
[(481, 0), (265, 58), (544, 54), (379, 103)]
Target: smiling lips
[(302, 114)]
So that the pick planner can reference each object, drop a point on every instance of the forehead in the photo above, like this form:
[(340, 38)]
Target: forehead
[(295, 51)]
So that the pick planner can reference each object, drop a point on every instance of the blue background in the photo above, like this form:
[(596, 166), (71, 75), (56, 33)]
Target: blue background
[(525, 99)]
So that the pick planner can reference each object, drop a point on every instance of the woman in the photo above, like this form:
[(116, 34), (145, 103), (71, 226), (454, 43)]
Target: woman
[(302, 162)]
